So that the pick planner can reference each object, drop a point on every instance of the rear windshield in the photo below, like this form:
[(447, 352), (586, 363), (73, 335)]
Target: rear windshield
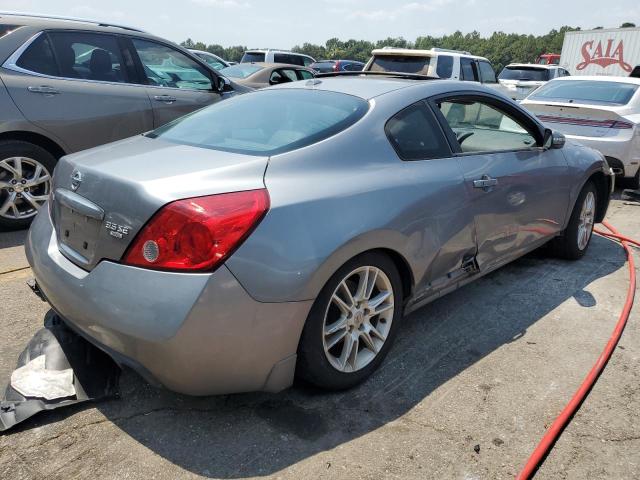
[(586, 91), (525, 74), (323, 67), (400, 63), (266, 122), (240, 70), (249, 57)]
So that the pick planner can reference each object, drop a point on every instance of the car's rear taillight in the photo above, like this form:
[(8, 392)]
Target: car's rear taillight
[(336, 66), (197, 234), (622, 125)]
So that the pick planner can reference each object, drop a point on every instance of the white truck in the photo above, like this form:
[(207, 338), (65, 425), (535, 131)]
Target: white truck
[(613, 51)]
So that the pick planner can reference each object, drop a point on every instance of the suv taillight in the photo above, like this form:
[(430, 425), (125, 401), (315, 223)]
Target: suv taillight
[(197, 234), (622, 125)]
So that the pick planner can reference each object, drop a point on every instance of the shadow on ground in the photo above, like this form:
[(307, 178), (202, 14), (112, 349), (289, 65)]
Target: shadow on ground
[(258, 434)]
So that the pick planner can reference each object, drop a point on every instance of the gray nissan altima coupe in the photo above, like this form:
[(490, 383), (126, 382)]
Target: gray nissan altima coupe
[(285, 232)]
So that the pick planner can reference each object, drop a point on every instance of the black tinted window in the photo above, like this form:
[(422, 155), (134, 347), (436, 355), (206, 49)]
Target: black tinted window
[(401, 63), (468, 70), (415, 134), (445, 66), (353, 67), (38, 57), (288, 58), (487, 73), (90, 56), (597, 92)]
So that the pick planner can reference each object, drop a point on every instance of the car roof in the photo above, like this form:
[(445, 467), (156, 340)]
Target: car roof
[(51, 21), (434, 52), (274, 65), (600, 78), (368, 87), (532, 65), (275, 50)]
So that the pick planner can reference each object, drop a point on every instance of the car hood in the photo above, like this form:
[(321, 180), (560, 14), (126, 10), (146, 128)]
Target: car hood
[(103, 196)]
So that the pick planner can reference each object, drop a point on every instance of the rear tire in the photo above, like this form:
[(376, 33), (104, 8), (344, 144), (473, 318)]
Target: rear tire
[(575, 240), (25, 182), (632, 183), (345, 339)]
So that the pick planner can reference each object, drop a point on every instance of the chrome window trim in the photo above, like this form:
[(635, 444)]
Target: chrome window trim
[(11, 63)]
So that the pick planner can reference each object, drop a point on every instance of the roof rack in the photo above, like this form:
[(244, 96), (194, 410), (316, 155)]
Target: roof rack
[(410, 76), (449, 50), (69, 19)]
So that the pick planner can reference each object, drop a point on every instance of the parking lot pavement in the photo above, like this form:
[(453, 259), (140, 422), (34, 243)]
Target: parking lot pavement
[(466, 392)]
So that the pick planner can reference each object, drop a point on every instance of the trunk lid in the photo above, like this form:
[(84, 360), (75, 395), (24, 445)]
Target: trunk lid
[(102, 197), (579, 120)]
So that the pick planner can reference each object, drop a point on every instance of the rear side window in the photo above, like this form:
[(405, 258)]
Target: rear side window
[(38, 57), (249, 57), (416, 135), (89, 56), (288, 58), (401, 63), (487, 74), (468, 70), (267, 122), (445, 66), (353, 67)]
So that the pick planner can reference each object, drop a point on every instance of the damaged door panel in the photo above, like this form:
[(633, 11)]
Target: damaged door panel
[(56, 369)]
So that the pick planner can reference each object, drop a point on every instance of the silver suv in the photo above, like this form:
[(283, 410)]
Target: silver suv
[(67, 85)]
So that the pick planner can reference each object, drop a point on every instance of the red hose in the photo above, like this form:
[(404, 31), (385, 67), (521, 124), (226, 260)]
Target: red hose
[(556, 428)]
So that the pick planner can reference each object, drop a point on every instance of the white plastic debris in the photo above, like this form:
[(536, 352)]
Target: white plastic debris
[(34, 380)]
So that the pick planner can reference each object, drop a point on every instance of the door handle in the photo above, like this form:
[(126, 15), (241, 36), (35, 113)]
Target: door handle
[(44, 90), (164, 98), (485, 183)]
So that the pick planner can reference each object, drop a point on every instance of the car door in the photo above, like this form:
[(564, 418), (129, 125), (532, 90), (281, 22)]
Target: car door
[(175, 83), (79, 86), (441, 218), (518, 190)]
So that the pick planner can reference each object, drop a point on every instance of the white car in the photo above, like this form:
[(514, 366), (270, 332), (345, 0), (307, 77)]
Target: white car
[(269, 55), (600, 112), (436, 62), (521, 79)]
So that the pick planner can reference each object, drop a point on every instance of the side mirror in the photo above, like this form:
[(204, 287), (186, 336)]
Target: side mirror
[(553, 139), (223, 84)]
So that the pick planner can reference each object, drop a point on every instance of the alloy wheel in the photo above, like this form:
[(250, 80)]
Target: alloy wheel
[(585, 223), (24, 187), (358, 319)]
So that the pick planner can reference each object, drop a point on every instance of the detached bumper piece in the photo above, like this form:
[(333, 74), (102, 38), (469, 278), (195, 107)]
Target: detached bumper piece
[(56, 369)]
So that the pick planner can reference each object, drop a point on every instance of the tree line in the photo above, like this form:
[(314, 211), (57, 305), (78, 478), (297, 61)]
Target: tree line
[(500, 48)]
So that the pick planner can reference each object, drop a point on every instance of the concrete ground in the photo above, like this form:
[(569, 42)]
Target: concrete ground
[(466, 392)]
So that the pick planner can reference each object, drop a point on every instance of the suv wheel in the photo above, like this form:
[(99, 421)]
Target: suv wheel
[(25, 182)]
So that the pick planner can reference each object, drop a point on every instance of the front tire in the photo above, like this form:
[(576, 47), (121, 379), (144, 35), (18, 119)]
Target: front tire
[(25, 182), (573, 244), (352, 323)]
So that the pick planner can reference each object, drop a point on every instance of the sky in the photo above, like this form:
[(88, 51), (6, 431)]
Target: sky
[(285, 23)]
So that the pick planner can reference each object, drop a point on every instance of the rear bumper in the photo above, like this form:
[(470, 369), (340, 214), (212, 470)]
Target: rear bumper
[(198, 334), (618, 149)]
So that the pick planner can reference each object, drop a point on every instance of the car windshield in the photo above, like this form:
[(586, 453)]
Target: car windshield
[(531, 74), (401, 63), (249, 57), (586, 91), (266, 122), (241, 70)]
